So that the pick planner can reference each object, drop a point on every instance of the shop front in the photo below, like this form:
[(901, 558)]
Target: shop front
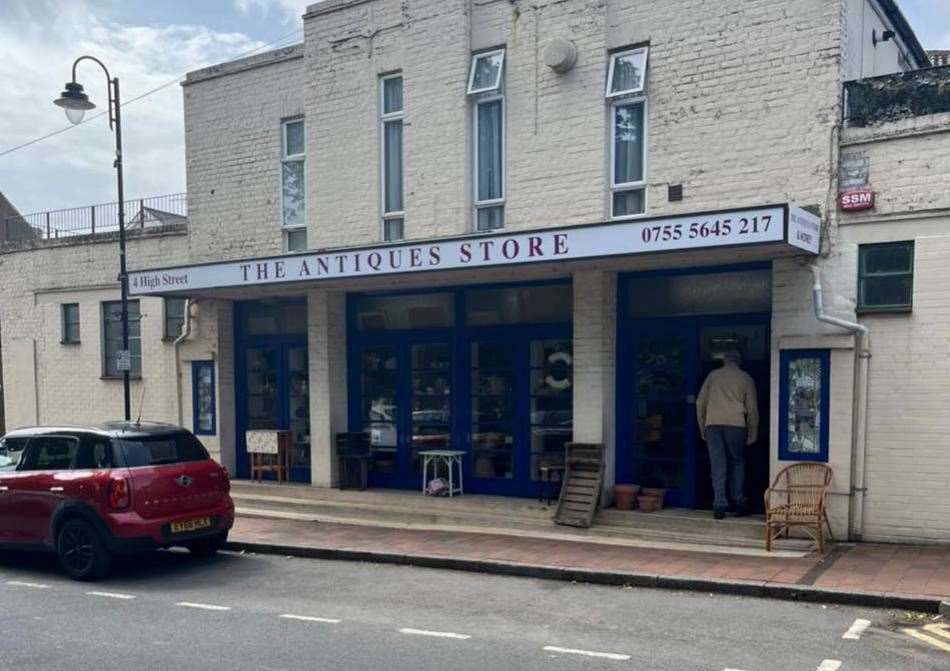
[(674, 328), (486, 370), (272, 378), (577, 344)]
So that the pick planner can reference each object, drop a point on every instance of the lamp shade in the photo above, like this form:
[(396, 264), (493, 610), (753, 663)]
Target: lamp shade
[(74, 101)]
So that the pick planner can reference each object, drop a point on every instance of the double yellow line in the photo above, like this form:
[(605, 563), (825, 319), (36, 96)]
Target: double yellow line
[(938, 635)]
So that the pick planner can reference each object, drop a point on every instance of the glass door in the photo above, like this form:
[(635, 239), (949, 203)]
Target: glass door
[(405, 406), (492, 409), (663, 432), (276, 379), (551, 398)]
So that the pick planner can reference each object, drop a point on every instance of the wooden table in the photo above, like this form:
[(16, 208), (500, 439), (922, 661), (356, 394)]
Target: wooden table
[(448, 457)]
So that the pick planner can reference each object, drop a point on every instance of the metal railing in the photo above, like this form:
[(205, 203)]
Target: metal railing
[(140, 214)]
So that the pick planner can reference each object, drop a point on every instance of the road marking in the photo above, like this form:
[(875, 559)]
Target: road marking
[(112, 595), (437, 634), (829, 665), (942, 631), (20, 583), (854, 633), (201, 606), (308, 618), (588, 653)]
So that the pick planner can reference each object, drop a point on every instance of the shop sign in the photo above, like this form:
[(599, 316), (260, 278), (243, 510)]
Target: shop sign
[(759, 225), (858, 199)]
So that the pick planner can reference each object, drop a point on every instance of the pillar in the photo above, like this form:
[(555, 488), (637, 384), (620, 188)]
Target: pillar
[(595, 329), (326, 340)]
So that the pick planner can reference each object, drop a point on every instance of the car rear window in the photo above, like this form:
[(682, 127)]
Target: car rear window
[(11, 449), (159, 450)]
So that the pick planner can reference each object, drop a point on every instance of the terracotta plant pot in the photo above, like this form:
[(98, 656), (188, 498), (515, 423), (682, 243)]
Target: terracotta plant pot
[(647, 503), (658, 492), (624, 496)]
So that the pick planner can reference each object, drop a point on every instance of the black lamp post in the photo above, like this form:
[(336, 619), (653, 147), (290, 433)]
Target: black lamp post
[(76, 102)]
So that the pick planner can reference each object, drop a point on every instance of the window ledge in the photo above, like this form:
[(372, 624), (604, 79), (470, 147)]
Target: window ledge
[(119, 377), (885, 310), (70, 342)]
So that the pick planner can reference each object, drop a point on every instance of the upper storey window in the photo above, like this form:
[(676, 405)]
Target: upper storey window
[(627, 141), (485, 74), (391, 114), (486, 87), (627, 72), (292, 186)]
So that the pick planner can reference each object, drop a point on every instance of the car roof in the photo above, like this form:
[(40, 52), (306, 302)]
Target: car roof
[(116, 429)]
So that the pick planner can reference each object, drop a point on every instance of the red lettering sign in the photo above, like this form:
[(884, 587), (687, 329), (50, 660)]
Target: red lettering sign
[(860, 199)]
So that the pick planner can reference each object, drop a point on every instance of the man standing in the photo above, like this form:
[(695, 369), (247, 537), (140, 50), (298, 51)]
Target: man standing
[(728, 415)]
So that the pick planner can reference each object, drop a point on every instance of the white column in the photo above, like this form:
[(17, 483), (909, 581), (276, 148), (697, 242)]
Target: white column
[(326, 339), (595, 329)]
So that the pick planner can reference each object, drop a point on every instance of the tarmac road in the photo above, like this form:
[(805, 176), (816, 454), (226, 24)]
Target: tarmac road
[(167, 610)]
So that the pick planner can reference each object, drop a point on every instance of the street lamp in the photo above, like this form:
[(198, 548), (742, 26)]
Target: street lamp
[(75, 102)]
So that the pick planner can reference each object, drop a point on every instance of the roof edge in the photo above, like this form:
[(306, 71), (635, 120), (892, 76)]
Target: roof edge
[(243, 64), (904, 29)]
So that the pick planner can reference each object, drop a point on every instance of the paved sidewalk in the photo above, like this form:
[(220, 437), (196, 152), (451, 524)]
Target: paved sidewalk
[(914, 577)]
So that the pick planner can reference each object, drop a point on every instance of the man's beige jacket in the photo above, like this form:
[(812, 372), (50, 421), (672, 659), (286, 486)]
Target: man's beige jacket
[(728, 399)]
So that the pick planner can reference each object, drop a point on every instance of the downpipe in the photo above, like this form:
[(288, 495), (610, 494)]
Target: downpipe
[(185, 332), (859, 410)]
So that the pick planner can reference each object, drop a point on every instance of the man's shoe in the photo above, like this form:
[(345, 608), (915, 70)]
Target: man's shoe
[(719, 514)]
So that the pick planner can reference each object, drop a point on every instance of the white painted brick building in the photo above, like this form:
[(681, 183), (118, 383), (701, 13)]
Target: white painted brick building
[(742, 107)]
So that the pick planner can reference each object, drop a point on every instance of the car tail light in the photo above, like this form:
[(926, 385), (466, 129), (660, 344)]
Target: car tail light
[(227, 479), (120, 495)]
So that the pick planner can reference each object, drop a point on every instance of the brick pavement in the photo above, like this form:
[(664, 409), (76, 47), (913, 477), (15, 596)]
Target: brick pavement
[(914, 571)]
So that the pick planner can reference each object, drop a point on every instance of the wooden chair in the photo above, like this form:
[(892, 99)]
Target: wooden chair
[(797, 499), (279, 463)]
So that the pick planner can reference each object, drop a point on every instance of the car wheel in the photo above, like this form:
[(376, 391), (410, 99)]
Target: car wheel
[(81, 552), (208, 547)]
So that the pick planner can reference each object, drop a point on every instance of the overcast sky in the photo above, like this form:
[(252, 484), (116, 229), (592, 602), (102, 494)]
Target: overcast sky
[(148, 43)]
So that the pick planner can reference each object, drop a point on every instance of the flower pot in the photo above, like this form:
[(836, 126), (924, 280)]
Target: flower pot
[(624, 496), (647, 503), (658, 492)]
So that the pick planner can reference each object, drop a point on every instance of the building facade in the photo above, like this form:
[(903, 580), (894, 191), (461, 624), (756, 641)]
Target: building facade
[(496, 227)]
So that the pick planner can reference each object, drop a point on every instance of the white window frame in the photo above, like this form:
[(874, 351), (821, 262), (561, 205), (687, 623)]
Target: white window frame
[(471, 72), (287, 158), (494, 202), (610, 72), (638, 184), (384, 118)]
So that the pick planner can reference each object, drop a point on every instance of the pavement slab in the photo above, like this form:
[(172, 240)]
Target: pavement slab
[(874, 574)]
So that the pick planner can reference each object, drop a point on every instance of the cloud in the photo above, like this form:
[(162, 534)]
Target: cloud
[(40, 42), (289, 11)]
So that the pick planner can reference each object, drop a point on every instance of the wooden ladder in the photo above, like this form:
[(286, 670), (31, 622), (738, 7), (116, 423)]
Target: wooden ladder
[(583, 481)]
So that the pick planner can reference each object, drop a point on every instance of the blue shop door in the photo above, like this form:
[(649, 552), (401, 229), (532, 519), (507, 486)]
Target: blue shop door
[(663, 430), (406, 405), (276, 378)]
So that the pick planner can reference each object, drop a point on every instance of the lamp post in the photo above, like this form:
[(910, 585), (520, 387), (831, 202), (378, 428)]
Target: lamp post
[(75, 102)]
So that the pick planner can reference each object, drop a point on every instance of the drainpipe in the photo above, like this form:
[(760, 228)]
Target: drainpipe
[(185, 332), (859, 410)]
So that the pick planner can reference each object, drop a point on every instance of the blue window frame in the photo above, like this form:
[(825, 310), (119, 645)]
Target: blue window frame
[(205, 419), (804, 398)]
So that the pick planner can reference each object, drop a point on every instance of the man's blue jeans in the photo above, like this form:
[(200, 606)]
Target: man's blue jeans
[(727, 462)]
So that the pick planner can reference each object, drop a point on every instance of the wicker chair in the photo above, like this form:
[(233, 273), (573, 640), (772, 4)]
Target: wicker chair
[(797, 499)]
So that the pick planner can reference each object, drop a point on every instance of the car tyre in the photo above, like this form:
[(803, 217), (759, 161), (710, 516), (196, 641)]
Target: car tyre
[(208, 547), (81, 551)]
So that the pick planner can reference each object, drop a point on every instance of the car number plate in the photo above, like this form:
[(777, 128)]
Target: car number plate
[(191, 525)]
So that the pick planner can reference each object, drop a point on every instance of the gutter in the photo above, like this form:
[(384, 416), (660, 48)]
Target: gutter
[(859, 410), (185, 332)]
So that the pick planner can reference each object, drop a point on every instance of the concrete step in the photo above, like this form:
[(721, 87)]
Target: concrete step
[(501, 515)]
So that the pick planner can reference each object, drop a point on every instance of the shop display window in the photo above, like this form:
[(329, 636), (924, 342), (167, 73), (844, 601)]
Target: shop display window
[(203, 398), (803, 405)]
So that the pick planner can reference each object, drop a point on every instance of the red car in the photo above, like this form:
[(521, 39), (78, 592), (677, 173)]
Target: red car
[(88, 492)]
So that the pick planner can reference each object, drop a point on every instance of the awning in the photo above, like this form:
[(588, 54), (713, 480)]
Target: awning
[(785, 225)]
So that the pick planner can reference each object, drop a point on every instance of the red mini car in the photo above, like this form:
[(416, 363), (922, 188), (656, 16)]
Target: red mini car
[(87, 492)]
